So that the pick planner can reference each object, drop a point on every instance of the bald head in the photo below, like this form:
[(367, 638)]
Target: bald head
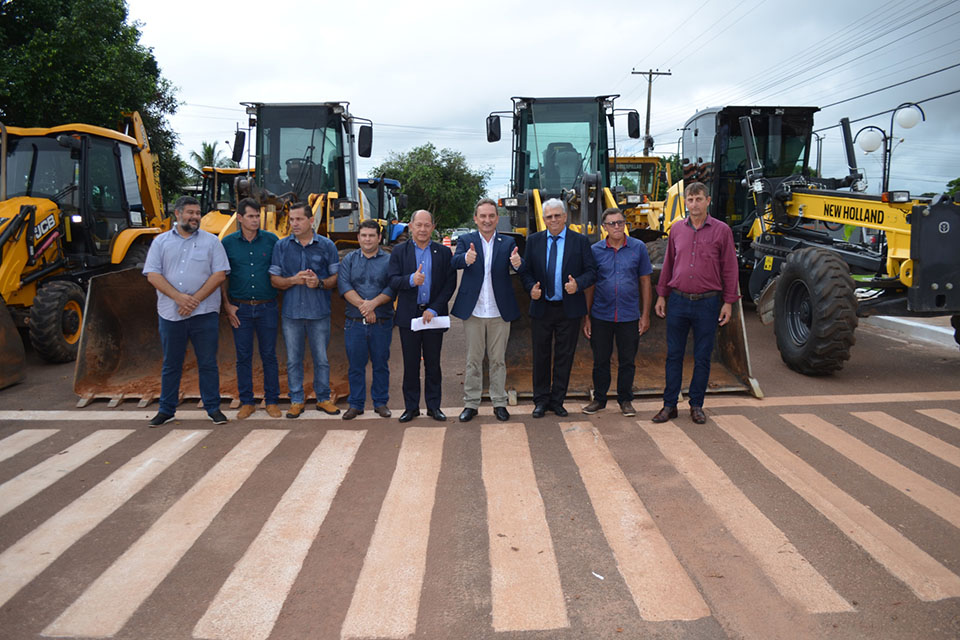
[(421, 227)]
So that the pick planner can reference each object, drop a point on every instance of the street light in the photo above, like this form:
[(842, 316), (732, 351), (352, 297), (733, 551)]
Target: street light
[(907, 115)]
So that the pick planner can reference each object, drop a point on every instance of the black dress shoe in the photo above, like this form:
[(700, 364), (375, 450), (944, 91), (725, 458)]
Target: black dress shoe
[(667, 413), (436, 414), (697, 414), (560, 411), (409, 415), (467, 414), (539, 411), (501, 413)]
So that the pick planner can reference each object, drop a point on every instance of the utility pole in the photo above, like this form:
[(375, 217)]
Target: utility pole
[(647, 140)]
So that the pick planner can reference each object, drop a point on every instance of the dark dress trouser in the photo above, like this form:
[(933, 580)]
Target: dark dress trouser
[(554, 335), (415, 344)]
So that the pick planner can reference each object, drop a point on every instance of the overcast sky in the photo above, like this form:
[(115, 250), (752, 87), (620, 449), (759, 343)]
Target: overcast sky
[(432, 71)]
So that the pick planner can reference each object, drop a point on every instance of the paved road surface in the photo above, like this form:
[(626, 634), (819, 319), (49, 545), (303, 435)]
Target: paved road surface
[(830, 509)]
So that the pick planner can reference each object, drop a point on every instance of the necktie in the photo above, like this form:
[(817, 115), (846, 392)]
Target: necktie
[(552, 268)]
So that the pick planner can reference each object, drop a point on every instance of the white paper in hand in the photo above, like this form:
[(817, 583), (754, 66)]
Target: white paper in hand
[(438, 322)]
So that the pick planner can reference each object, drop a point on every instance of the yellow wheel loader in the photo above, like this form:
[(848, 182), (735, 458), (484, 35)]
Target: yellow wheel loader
[(566, 148), (304, 152), (818, 253), (76, 201), (218, 197)]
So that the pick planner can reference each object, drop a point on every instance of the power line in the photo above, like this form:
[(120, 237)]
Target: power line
[(882, 113), (891, 86)]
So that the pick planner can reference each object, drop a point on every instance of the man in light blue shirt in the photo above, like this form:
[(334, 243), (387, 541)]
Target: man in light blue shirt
[(186, 266), (304, 267)]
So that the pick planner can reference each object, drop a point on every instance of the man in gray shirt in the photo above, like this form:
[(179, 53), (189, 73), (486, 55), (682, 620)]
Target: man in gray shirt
[(186, 266), (368, 326)]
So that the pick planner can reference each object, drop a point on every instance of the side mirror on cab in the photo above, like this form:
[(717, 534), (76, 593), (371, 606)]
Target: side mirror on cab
[(493, 128), (365, 141)]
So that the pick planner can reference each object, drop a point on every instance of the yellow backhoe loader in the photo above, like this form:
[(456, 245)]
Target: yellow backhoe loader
[(76, 201), (304, 152), (565, 148)]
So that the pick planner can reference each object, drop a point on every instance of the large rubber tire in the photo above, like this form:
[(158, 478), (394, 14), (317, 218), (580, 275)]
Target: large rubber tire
[(955, 321), (136, 255), (815, 312), (56, 319)]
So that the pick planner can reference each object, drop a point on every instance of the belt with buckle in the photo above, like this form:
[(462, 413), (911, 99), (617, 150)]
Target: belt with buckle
[(698, 296), (422, 307), (250, 301)]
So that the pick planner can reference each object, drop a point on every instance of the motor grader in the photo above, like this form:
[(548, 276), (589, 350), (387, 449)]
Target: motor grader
[(76, 201), (818, 253), (304, 152), (566, 148), (635, 182)]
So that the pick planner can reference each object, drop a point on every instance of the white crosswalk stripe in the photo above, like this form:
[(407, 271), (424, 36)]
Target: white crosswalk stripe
[(525, 550)]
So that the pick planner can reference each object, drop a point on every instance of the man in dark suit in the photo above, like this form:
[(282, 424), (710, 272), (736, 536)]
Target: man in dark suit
[(559, 265), (487, 306), (420, 273)]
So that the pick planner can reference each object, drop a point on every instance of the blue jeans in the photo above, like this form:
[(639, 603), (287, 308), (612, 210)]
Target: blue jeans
[(260, 320), (682, 315), (368, 342), (202, 332), (317, 334)]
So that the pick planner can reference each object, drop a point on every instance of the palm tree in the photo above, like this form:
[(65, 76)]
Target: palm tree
[(209, 156)]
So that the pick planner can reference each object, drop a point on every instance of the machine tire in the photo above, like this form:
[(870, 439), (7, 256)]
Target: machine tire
[(815, 312), (955, 322), (136, 255), (657, 251), (56, 319)]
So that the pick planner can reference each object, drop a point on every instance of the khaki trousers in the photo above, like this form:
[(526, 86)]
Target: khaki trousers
[(485, 336)]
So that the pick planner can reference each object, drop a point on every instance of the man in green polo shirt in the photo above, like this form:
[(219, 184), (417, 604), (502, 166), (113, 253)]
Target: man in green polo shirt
[(250, 302)]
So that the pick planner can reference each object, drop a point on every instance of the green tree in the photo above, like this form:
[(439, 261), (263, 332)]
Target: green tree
[(953, 186), (209, 156), (68, 61), (676, 172), (439, 181)]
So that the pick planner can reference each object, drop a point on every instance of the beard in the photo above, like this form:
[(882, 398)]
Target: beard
[(189, 227)]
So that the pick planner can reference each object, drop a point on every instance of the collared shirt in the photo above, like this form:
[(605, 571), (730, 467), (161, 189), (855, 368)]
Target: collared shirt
[(368, 277), (186, 263), (425, 260), (557, 275), (300, 302), (250, 265), (700, 260), (486, 301), (616, 295)]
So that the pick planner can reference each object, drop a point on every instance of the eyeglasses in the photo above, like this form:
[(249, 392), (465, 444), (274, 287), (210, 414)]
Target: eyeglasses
[(615, 223), (553, 217)]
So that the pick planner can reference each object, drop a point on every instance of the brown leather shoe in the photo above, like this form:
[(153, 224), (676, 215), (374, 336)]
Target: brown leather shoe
[(592, 408), (667, 413), (328, 408), (274, 411), (699, 417), (295, 410), (351, 413), (245, 411), (626, 408), (383, 411)]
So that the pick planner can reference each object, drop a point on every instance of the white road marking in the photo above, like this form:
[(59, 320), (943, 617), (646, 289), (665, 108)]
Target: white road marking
[(899, 428), (525, 580), (21, 440), (945, 416), (660, 586), (924, 576), (386, 599), (107, 604), (911, 484), (789, 571), (22, 562), (18, 490), (248, 603)]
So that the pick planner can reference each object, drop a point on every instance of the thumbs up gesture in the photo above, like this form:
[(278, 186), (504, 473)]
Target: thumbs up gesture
[(515, 260), (471, 255), (571, 285), (419, 277), (535, 293)]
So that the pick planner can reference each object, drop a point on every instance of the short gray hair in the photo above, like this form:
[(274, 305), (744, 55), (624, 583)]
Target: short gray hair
[(484, 201), (555, 203), (413, 217)]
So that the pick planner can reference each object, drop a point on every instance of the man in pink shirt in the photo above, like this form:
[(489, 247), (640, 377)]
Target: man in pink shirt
[(700, 278)]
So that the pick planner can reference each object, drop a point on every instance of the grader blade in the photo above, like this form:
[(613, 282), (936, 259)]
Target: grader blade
[(120, 355), (729, 370), (13, 360)]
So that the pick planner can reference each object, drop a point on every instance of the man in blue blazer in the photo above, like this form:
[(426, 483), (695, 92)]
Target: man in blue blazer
[(420, 273), (559, 265), (487, 306)]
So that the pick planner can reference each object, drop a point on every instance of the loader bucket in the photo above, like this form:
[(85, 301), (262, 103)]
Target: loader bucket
[(13, 361), (120, 356), (729, 371)]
